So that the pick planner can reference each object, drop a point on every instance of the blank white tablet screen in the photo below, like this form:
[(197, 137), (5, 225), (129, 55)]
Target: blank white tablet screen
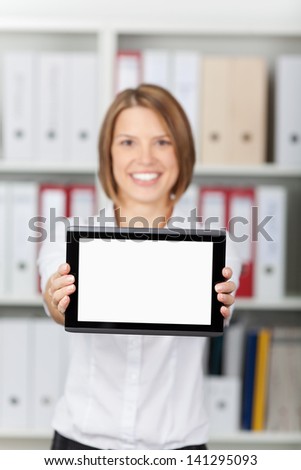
[(145, 281)]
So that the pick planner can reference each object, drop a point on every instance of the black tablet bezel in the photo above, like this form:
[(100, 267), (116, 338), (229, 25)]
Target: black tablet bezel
[(218, 237)]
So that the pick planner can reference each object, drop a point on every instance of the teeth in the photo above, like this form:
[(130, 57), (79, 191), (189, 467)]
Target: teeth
[(145, 176)]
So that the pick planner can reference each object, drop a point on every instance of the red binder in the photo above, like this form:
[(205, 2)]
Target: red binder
[(240, 203), (231, 209)]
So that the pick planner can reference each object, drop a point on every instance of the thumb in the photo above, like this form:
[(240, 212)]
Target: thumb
[(64, 269), (227, 273)]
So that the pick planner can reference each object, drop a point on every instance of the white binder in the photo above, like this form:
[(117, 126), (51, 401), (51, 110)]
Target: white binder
[(82, 201), (288, 111), (128, 70), (18, 112), (14, 369), (233, 349), (223, 403), (213, 208), (186, 77), (47, 367), (157, 67), (52, 116), (270, 254), (188, 204), (83, 97), (23, 208), (4, 239), (52, 207)]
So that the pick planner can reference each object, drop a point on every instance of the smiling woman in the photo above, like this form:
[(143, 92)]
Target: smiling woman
[(134, 391), (151, 122), (144, 164)]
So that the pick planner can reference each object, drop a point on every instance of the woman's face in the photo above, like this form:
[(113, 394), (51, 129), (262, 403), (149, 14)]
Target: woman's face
[(144, 163)]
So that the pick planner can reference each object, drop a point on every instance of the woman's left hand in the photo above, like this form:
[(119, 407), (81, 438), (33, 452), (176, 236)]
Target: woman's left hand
[(225, 290)]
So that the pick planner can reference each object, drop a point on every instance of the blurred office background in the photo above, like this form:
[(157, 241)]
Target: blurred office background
[(236, 68)]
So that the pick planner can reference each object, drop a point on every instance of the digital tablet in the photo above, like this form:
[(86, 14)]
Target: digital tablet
[(145, 281)]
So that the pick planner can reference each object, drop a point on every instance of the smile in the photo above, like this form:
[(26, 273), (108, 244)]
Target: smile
[(145, 177)]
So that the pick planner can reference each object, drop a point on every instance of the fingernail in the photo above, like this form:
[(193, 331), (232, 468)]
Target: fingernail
[(70, 278), (70, 288)]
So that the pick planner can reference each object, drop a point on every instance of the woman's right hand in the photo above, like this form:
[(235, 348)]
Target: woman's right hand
[(59, 288)]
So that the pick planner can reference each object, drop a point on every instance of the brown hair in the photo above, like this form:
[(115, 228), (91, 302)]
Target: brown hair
[(168, 108)]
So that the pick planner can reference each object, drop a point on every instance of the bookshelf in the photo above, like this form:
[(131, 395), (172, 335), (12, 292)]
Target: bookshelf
[(46, 168), (106, 38), (12, 439), (267, 170), (289, 303)]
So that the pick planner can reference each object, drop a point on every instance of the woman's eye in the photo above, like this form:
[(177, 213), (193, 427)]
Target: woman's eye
[(127, 142), (163, 142)]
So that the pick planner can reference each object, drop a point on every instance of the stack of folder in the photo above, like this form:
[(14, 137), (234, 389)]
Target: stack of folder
[(271, 379), (256, 220), (50, 107), (29, 211), (34, 355)]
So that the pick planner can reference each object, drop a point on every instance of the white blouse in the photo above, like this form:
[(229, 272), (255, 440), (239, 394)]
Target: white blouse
[(131, 391)]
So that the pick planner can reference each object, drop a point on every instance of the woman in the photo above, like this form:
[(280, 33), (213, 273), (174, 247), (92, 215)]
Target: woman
[(123, 391)]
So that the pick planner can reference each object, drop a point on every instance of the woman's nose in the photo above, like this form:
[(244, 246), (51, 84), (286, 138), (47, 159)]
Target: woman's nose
[(146, 155)]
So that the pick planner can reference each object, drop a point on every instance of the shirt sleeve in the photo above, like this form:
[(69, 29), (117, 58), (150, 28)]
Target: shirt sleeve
[(52, 253)]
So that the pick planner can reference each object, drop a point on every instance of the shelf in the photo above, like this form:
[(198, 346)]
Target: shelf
[(25, 434), (202, 22), (202, 25), (49, 25), (266, 170), (69, 168), (262, 437), (35, 301), (287, 303), (52, 168), (241, 437)]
